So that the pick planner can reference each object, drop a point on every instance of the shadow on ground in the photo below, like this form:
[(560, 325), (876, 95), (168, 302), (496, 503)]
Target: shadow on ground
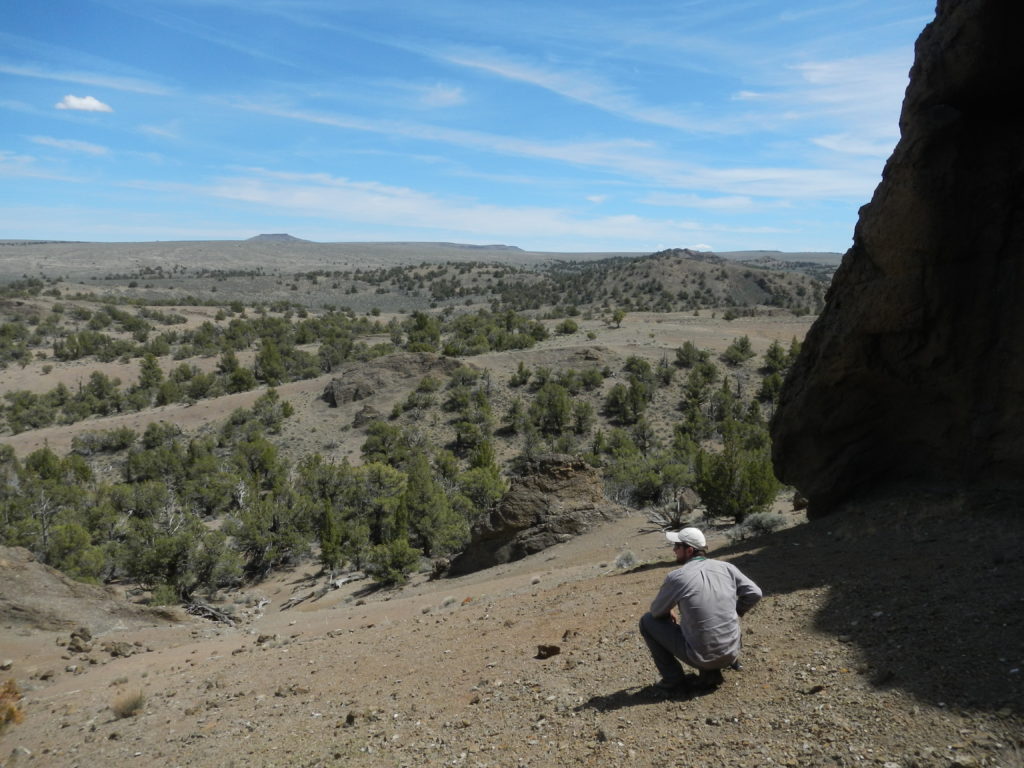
[(633, 697), (929, 587)]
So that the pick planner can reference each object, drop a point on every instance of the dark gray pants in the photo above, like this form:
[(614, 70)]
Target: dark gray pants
[(667, 645)]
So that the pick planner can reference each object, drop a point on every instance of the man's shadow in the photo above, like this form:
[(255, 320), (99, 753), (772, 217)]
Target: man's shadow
[(638, 696)]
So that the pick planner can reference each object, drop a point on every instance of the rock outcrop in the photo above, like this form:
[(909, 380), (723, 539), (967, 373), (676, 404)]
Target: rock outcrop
[(351, 388), (556, 498), (914, 371), (358, 381)]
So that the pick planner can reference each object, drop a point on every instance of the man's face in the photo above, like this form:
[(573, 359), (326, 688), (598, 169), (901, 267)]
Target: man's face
[(682, 552)]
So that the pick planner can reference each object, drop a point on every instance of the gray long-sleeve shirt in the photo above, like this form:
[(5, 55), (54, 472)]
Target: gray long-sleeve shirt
[(711, 596)]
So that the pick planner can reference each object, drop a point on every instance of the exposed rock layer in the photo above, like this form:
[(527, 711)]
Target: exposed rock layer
[(558, 497), (914, 370)]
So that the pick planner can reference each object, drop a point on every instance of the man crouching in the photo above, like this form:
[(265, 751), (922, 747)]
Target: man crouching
[(695, 616)]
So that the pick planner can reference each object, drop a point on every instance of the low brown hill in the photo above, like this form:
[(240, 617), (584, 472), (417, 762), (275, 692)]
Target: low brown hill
[(681, 279), (37, 597)]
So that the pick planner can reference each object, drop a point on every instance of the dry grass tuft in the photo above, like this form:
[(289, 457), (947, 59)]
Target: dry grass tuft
[(10, 711), (128, 704)]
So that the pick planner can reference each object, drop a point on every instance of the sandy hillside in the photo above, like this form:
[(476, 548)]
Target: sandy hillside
[(316, 427), (878, 644)]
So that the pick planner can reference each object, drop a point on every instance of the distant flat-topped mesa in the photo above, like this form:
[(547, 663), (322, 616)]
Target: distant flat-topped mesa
[(279, 237), (914, 372)]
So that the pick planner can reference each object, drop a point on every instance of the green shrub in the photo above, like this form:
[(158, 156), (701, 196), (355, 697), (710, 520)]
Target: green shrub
[(739, 480), (689, 355), (739, 351), (761, 523), (391, 563), (567, 327), (107, 441), (757, 524)]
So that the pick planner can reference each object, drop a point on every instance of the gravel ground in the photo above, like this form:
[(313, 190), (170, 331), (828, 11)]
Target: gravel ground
[(891, 636)]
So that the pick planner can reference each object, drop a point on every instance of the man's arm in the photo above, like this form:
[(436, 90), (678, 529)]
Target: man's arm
[(665, 600), (747, 592)]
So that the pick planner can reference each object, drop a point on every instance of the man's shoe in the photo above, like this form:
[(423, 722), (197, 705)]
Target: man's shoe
[(709, 679), (665, 689), (670, 685)]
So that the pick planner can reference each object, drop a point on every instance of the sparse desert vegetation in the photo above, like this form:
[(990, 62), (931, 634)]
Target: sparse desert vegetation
[(280, 466), (136, 497)]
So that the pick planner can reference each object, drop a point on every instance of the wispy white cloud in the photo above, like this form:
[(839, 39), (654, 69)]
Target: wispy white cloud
[(441, 95), (217, 36), (857, 144), (605, 153), (71, 145), (391, 93), (83, 104), (387, 207), (130, 84), (856, 85), (153, 158), (21, 106), (861, 94), (582, 86), (639, 160), (791, 183), (85, 222), (854, 103), (170, 130), (14, 165), (750, 96), (728, 203)]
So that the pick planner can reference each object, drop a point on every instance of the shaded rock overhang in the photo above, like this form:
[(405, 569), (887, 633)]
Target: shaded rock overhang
[(914, 372)]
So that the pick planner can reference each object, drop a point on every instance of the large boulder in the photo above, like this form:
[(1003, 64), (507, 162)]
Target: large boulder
[(914, 370), (352, 387), (557, 497)]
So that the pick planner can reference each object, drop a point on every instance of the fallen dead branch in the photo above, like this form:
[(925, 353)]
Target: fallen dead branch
[(209, 612)]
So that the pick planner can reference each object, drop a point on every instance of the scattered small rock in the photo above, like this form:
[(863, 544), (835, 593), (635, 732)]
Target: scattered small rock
[(547, 651), (117, 648)]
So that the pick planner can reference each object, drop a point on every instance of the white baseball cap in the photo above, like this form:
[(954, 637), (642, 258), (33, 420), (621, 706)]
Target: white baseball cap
[(691, 537)]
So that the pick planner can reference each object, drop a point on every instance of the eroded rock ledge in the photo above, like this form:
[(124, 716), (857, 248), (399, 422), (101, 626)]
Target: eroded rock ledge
[(556, 498)]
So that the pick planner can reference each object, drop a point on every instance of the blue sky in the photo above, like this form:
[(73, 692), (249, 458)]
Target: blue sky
[(559, 125)]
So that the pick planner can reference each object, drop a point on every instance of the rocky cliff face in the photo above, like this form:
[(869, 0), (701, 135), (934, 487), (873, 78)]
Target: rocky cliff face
[(557, 497), (915, 371)]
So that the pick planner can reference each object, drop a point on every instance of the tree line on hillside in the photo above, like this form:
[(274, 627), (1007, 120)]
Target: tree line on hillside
[(151, 526), (280, 358), (410, 500)]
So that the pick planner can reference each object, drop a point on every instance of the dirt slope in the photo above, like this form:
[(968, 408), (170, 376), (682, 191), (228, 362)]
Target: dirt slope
[(892, 636)]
